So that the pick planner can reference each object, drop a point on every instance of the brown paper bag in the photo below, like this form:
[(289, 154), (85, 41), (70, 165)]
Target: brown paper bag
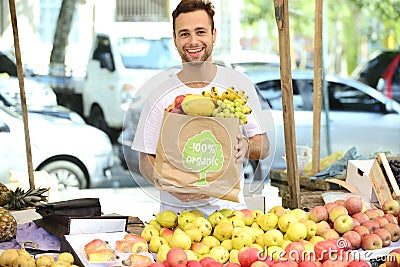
[(196, 155)]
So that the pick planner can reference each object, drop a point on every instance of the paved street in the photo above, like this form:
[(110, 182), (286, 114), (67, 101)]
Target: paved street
[(125, 194)]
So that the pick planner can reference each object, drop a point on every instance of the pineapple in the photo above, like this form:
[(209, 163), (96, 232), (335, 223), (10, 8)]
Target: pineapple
[(18, 199), (8, 225)]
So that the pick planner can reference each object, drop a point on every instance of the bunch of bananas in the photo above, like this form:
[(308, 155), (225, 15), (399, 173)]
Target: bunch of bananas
[(229, 104)]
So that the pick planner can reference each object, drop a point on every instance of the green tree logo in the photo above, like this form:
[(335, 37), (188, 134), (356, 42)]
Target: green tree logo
[(203, 153)]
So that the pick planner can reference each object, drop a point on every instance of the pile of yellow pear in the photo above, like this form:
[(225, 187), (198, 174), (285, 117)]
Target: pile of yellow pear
[(224, 232)]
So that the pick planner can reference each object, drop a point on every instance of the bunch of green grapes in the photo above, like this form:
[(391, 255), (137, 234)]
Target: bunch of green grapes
[(232, 109)]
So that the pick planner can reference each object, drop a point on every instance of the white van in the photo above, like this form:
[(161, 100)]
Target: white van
[(122, 58)]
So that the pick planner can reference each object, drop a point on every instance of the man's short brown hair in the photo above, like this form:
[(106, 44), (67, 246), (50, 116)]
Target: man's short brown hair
[(186, 6)]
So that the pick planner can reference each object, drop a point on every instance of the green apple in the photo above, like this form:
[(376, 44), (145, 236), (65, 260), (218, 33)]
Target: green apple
[(234, 256), (211, 241), (343, 224), (191, 255), (256, 213), (299, 213), (248, 216), (237, 221), (167, 218), (220, 254), (223, 230), (156, 242), (162, 253), (180, 240), (257, 229), (194, 234), (311, 228), (149, 231), (296, 231), (226, 212), (155, 223), (204, 225), (198, 213), (278, 211), (336, 211), (285, 220), (272, 237), (267, 221), (215, 217), (200, 248), (227, 244), (184, 218)]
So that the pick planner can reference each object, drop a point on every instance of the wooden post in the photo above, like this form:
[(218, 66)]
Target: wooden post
[(22, 93), (282, 21), (316, 146)]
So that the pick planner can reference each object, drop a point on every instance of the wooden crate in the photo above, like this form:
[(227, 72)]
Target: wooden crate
[(382, 178), (310, 191), (279, 179)]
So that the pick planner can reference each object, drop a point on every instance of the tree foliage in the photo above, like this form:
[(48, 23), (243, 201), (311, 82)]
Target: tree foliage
[(375, 20)]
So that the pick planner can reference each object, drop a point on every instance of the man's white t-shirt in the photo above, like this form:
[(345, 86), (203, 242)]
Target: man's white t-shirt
[(148, 128)]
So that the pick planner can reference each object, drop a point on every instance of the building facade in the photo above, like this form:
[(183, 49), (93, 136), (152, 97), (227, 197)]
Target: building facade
[(37, 19)]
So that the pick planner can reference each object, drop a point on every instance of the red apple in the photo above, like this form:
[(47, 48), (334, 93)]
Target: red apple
[(206, 260), (355, 222), (361, 230), (392, 259), (394, 230), (343, 223), (371, 213), (294, 250), (381, 220), (322, 226), (391, 218), (330, 205), (248, 255), (330, 234), (371, 225), (333, 263), (358, 263), (176, 256), (354, 239), (371, 241), (339, 202), (307, 264), (318, 213), (193, 263), (259, 264), (287, 263), (384, 234), (336, 212), (178, 100), (159, 264), (360, 216), (214, 264), (353, 204), (232, 264)]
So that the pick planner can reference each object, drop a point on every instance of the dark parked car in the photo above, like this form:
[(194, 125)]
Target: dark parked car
[(381, 71)]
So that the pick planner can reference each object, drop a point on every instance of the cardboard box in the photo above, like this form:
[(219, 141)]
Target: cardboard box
[(357, 175), (82, 230)]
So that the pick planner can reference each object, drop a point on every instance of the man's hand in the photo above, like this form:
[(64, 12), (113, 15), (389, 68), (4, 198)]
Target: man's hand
[(242, 148)]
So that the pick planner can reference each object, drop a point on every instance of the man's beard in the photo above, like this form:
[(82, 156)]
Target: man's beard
[(195, 61)]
